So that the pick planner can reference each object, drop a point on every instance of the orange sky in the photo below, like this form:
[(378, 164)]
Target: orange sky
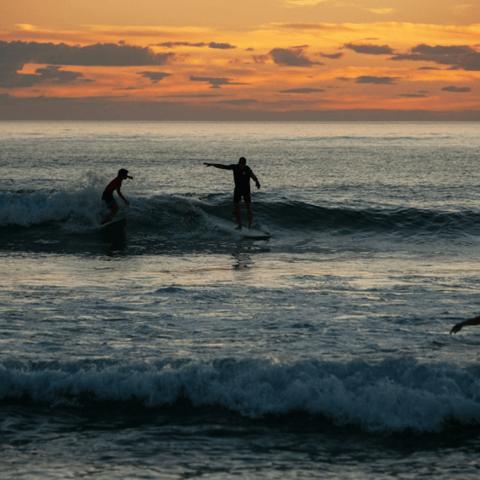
[(248, 60)]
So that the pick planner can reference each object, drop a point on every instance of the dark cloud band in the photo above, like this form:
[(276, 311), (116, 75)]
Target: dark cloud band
[(370, 49), (292, 57), (100, 54), (458, 56), (215, 82)]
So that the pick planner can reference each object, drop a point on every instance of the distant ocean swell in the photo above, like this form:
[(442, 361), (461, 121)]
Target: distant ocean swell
[(391, 396), (81, 212)]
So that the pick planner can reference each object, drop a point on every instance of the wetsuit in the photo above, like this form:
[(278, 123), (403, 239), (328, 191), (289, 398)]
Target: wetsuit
[(241, 177), (107, 196)]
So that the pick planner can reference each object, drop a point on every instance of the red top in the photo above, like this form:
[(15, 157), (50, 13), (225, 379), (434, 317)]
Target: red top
[(114, 185)]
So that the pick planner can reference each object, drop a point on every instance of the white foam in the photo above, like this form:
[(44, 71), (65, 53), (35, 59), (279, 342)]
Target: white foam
[(388, 397)]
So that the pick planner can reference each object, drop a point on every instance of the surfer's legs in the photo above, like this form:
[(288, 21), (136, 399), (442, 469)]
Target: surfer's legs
[(112, 213), (249, 214), (236, 212)]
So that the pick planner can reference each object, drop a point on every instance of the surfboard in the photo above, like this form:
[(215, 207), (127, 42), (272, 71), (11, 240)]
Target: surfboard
[(115, 223), (253, 234), (244, 233)]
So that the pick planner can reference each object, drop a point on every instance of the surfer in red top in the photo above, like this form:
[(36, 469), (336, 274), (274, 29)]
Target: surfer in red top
[(108, 198)]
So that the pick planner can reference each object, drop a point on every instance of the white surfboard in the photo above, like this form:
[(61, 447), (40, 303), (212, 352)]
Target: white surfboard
[(253, 234), (115, 223), (226, 226)]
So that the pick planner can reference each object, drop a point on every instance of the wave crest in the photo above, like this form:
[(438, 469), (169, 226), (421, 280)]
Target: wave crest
[(392, 396)]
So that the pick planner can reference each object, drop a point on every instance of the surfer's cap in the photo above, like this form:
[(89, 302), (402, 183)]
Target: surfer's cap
[(123, 173)]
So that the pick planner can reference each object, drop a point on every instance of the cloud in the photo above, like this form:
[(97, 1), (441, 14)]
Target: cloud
[(221, 46), (107, 54), (127, 89), (155, 77), (458, 56), (261, 58), (10, 78), (14, 55), (456, 89), (180, 44), (197, 95), (240, 102), (292, 57), (215, 82), (370, 49), (376, 80), (334, 56), (56, 75), (413, 95), (314, 26), (302, 90)]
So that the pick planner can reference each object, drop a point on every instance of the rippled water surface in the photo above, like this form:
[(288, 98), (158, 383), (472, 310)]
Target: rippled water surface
[(174, 347)]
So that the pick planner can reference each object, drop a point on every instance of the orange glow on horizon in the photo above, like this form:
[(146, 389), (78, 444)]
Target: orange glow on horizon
[(294, 65)]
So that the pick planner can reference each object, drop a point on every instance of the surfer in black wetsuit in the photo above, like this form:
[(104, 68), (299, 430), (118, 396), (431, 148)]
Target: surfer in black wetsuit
[(473, 321), (241, 176)]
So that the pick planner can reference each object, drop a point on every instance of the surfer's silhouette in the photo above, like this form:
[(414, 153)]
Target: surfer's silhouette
[(241, 176), (108, 198), (473, 321)]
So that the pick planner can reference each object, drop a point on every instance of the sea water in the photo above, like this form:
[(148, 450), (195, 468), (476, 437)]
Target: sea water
[(174, 348)]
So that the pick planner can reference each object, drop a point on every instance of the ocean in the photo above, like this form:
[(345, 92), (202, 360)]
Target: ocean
[(173, 347)]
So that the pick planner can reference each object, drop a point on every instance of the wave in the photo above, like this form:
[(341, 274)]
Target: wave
[(183, 215), (373, 219), (390, 397)]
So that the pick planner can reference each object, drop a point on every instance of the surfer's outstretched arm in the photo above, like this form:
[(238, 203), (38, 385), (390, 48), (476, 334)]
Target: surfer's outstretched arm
[(473, 321), (217, 165)]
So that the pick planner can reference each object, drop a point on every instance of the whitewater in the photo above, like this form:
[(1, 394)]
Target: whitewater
[(173, 347)]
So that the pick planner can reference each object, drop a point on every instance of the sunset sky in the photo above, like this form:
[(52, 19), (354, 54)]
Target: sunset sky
[(240, 60)]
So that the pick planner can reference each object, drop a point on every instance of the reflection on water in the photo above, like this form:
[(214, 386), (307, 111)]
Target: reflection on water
[(243, 260), (114, 238)]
